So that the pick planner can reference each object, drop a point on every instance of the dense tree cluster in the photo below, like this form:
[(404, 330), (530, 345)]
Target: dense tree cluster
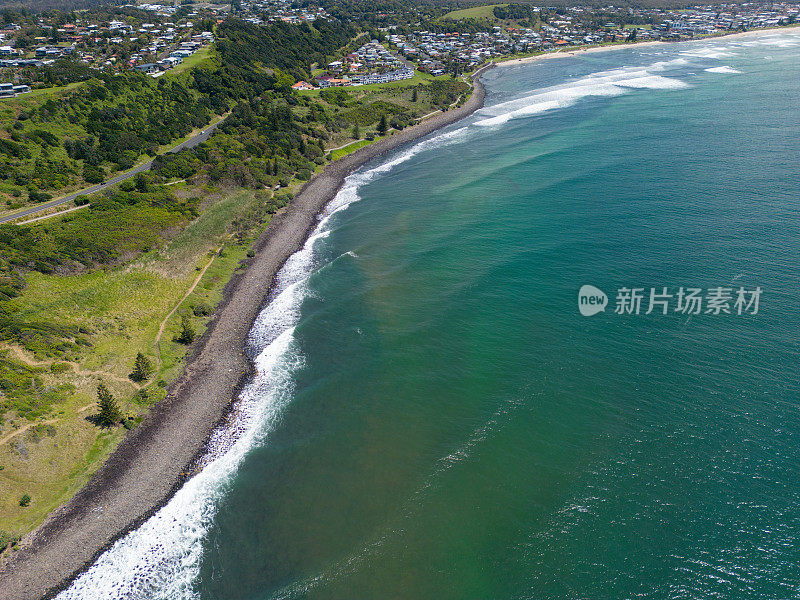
[(291, 48), (111, 121), (262, 143), (142, 117), (443, 92), (61, 72), (513, 11)]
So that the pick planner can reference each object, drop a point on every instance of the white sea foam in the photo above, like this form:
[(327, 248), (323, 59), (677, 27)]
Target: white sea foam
[(161, 559), (653, 82), (710, 52), (779, 42), (722, 69), (603, 83)]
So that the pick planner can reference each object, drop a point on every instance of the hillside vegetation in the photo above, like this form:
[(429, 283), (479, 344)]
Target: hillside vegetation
[(133, 273)]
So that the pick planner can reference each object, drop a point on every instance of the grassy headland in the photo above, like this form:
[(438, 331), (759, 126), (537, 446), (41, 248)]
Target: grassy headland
[(84, 292), (104, 317)]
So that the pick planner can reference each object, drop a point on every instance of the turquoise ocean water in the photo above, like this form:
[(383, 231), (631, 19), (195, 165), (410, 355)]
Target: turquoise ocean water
[(433, 417)]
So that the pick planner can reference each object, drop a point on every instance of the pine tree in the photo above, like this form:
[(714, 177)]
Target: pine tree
[(356, 132), (142, 368), (383, 126), (186, 336), (414, 95), (109, 410)]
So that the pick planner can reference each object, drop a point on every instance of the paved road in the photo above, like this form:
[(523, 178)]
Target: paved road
[(190, 143)]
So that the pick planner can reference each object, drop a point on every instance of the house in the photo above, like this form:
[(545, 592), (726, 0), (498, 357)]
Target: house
[(325, 82), (302, 85), (147, 68)]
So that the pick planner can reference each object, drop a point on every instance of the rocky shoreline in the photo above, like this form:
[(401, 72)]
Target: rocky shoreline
[(151, 463)]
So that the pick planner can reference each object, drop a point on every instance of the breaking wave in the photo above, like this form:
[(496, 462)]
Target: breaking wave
[(604, 83), (722, 69), (712, 52)]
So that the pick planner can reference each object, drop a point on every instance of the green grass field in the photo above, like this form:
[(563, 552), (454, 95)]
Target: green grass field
[(419, 77), (195, 60), (474, 12), (42, 94), (337, 154)]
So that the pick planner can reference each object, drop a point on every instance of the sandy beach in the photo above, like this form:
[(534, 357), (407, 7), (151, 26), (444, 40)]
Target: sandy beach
[(151, 463), (644, 44)]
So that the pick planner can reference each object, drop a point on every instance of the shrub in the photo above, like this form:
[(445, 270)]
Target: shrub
[(25, 500), (59, 367), (142, 396), (6, 539), (36, 196), (201, 310), (93, 173)]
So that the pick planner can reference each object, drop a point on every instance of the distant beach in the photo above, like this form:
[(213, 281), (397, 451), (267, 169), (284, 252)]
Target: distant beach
[(594, 49)]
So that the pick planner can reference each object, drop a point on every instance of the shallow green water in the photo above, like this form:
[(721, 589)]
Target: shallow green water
[(454, 428)]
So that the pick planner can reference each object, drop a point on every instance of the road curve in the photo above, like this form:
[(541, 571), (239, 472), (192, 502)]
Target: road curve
[(190, 143)]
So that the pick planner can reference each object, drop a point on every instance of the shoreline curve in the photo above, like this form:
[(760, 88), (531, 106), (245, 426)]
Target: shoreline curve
[(153, 460)]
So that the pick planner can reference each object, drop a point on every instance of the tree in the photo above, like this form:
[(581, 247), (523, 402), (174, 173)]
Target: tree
[(142, 183), (383, 126), (109, 410), (356, 132), (186, 336), (414, 95), (142, 368), (93, 174)]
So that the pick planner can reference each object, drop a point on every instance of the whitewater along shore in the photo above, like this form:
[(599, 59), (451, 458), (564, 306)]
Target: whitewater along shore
[(151, 463)]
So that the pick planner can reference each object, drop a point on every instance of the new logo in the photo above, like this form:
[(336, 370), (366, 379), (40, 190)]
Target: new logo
[(591, 300)]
